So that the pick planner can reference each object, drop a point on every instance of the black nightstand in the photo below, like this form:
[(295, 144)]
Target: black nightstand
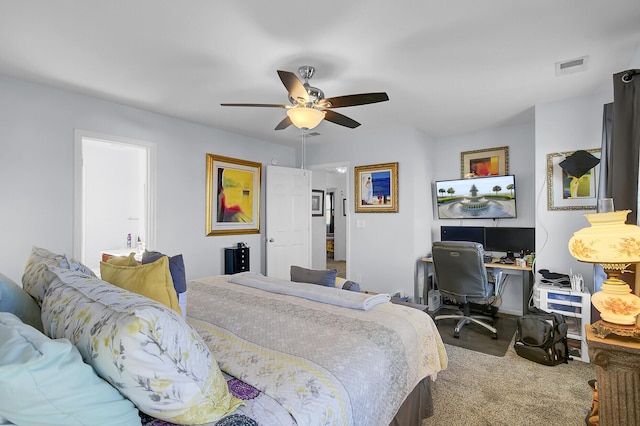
[(236, 259)]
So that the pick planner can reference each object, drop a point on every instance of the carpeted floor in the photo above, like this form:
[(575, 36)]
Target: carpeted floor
[(340, 265), (476, 338), (478, 389)]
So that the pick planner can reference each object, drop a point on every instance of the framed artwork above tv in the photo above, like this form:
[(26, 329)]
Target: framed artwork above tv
[(492, 197), (485, 162)]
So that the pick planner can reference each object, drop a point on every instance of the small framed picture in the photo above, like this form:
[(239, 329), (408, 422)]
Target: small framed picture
[(376, 188), (485, 162), (317, 202)]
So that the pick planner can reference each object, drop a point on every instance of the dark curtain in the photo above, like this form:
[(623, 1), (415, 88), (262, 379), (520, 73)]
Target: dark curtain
[(624, 150)]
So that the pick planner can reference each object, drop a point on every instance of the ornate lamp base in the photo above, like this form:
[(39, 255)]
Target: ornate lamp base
[(602, 329)]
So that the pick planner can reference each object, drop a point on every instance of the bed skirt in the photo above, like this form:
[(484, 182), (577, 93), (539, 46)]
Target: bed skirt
[(417, 406)]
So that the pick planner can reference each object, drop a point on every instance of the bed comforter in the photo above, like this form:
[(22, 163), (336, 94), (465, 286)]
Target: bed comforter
[(325, 364)]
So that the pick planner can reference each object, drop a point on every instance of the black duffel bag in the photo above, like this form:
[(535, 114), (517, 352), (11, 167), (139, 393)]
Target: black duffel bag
[(542, 337)]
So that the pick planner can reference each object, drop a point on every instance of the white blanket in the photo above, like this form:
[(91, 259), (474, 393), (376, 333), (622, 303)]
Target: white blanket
[(323, 294)]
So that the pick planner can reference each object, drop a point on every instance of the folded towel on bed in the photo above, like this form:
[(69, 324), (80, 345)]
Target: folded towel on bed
[(330, 295)]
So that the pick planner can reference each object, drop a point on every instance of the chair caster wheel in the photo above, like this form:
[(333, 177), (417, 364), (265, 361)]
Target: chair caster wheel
[(494, 336), (456, 335)]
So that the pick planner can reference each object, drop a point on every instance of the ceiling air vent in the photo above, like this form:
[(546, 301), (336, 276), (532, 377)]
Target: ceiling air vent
[(571, 66)]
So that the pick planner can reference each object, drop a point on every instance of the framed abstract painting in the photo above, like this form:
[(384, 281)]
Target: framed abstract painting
[(233, 196), (485, 162)]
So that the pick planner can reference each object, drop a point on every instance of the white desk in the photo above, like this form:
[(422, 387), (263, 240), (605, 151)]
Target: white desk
[(508, 268)]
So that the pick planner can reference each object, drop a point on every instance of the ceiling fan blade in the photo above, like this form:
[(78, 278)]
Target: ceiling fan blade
[(354, 100), (294, 86), (286, 122), (256, 105), (340, 119)]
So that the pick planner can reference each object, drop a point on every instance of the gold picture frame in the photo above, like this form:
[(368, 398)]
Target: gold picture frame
[(485, 162), (560, 184), (233, 196), (376, 188)]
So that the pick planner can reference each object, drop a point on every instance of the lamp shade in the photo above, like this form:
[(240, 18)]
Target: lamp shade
[(612, 243), (305, 118), (608, 240)]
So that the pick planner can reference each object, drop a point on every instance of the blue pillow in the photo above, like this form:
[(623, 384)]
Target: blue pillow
[(325, 277), (176, 267), (17, 301), (45, 381)]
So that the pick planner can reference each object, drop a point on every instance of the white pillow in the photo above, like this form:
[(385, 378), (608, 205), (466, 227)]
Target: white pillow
[(144, 349), (44, 381)]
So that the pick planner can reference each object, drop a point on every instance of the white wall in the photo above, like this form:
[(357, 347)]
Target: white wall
[(384, 253), (36, 170), (564, 126)]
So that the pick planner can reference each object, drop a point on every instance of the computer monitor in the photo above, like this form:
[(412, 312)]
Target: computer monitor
[(510, 240), (462, 233)]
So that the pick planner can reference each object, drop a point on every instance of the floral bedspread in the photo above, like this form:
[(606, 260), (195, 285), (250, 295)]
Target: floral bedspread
[(257, 405), (325, 364)]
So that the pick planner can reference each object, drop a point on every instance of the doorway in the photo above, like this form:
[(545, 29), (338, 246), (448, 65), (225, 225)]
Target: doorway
[(114, 203), (330, 240)]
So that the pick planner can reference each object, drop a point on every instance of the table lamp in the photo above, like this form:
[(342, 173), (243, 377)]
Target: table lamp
[(612, 243)]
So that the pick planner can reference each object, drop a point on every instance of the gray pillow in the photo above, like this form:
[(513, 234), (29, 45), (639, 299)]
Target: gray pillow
[(17, 301), (351, 285), (325, 277)]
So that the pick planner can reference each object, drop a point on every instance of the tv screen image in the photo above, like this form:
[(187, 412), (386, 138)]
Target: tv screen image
[(492, 197)]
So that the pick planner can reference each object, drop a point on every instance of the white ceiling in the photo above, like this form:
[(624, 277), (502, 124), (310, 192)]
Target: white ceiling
[(449, 67)]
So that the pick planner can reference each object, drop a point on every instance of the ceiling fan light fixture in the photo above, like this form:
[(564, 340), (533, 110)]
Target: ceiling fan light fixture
[(305, 118)]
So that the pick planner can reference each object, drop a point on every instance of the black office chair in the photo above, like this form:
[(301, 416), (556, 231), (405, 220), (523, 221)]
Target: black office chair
[(462, 276)]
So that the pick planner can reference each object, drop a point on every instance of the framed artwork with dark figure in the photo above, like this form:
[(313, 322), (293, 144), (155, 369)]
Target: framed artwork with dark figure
[(572, 180), (376, 188), (233, 196), (317, 202)]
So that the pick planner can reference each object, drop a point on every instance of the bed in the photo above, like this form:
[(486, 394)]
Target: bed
[(352, 366), (252, 350)]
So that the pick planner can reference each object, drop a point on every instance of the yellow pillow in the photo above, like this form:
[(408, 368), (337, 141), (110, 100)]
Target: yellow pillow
[(152, 280), (123, 260)]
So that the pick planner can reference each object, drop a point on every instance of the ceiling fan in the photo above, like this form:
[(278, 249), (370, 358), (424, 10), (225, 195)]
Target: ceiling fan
[(308, 104)]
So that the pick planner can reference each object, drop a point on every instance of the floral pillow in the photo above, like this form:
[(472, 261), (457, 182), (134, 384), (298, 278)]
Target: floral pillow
[(34, 281), (144, 349)]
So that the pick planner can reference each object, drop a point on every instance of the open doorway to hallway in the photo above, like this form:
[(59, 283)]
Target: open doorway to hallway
[(330, 233)]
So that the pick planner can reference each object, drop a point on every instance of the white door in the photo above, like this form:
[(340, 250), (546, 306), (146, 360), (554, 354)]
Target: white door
[(288, 221)]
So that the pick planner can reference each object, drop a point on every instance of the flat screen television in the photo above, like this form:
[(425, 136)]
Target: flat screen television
[(491, 197)]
